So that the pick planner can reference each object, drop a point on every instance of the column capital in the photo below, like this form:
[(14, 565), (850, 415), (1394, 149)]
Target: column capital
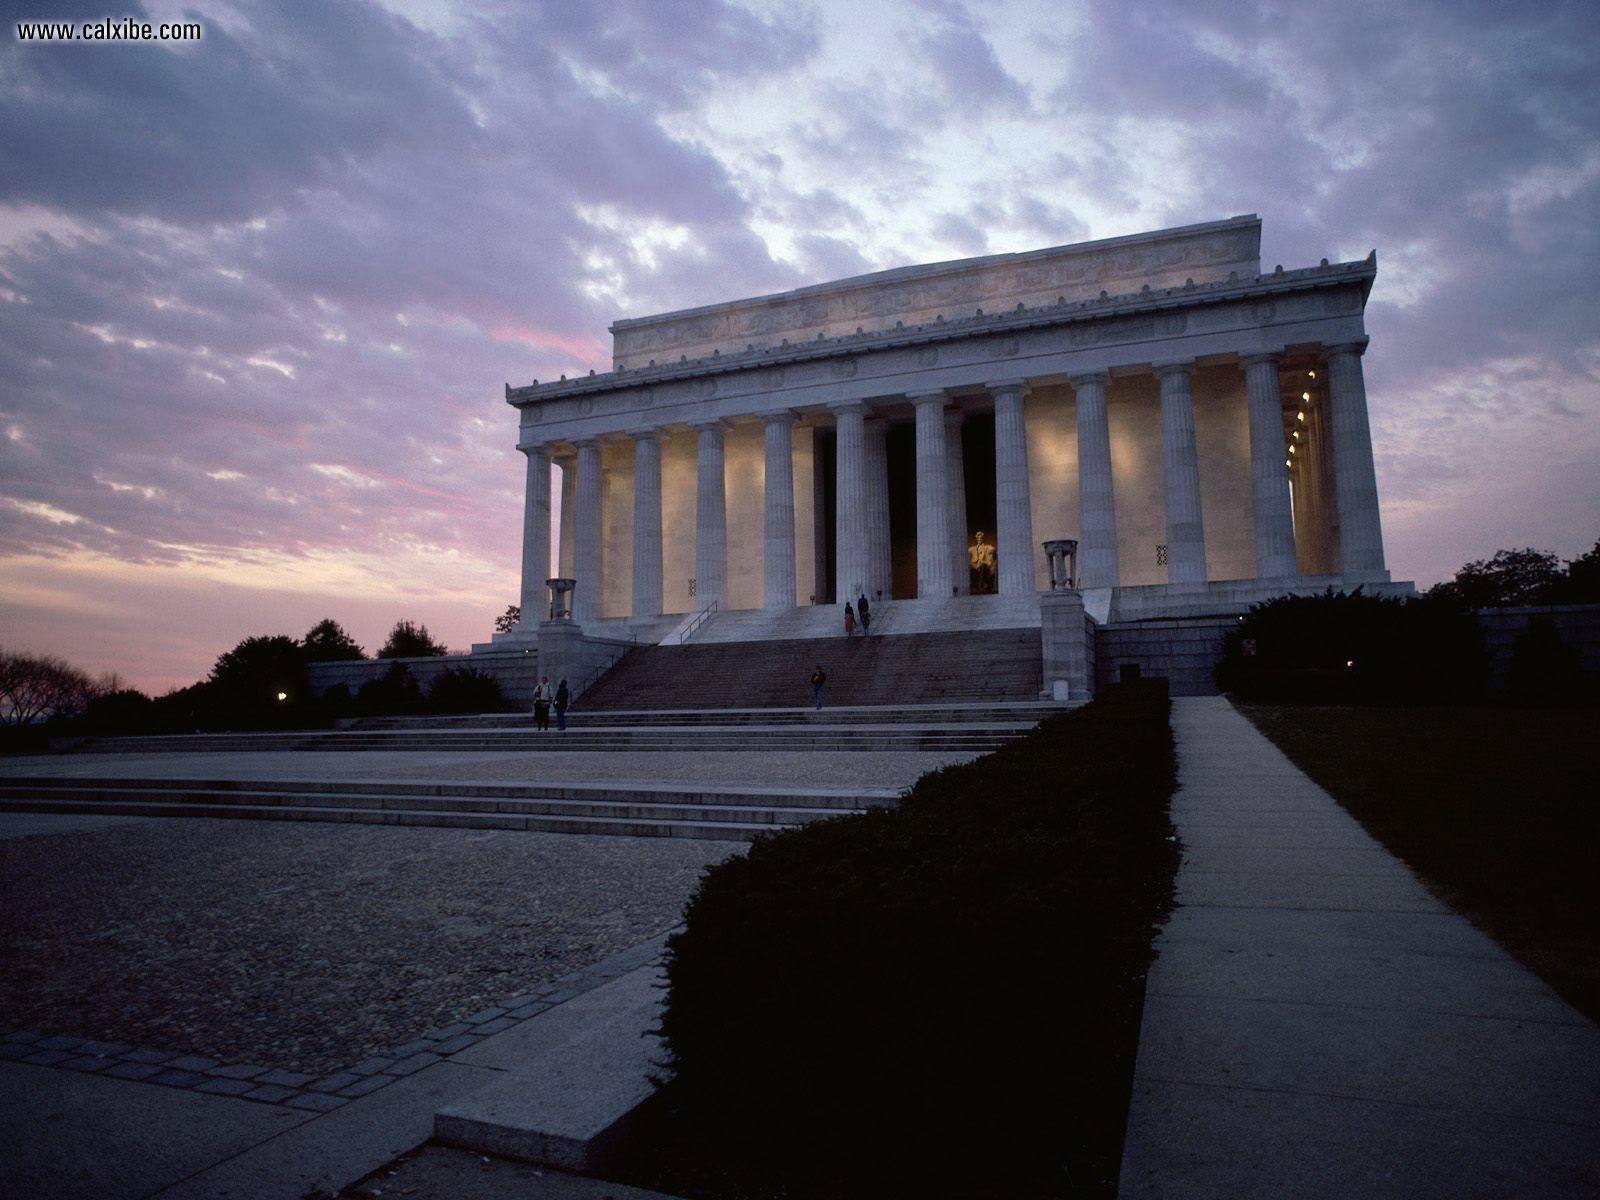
[(1087, 378), (647, 434), (780, 416), (587, 443), (1007, 385), (1177, 366), (545, 448), (715, 425), (848, 408), (1275, 357), (1356, 347), (922, 398)]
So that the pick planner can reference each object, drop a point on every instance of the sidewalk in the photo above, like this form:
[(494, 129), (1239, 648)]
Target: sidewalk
[(1319, 1025)]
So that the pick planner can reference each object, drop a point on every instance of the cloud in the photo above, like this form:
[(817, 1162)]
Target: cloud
[(259, 294)]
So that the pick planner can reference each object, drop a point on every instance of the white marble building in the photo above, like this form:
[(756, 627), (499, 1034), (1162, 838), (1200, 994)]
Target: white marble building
[(1198, 425)]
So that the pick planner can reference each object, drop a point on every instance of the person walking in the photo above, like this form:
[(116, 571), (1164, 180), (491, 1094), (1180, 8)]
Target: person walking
[(563, 698), (541, 705), (818, 678), (865, 614), (849, 619)]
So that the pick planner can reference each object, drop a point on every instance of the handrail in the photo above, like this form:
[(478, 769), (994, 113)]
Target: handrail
[(687, 627)]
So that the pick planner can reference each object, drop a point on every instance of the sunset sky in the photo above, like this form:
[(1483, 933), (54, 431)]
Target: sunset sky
[(259, 295)]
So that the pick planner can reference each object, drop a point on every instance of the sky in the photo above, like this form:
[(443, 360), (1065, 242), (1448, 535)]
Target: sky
[(259, 294)]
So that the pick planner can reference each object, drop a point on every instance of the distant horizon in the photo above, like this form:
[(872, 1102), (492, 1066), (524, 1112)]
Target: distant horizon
[(262, 290)]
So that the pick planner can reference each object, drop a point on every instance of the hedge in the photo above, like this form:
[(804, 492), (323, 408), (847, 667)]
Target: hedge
[(944, 995)]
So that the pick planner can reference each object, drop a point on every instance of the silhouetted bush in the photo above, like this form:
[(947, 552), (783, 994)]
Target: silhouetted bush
[(409, 640), (122, 712), (260, 684), (465, 690), (393, 694), (1545, 670), (1352, 648), (938, 999)]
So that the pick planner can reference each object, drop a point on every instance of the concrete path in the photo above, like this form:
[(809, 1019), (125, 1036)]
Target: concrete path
[(1319, 1025)]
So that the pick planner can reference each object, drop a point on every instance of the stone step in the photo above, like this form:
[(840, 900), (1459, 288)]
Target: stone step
[(933, 716), (397, 794), (964, 738), (616, 826)]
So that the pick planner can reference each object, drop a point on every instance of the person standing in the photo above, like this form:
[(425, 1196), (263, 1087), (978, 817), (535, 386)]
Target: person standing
[(865, 614), (849, 619), (541, 705), (563, 698), (818, 678)]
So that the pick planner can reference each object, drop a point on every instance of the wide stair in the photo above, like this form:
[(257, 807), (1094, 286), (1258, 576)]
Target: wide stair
[(627, 810), (972, 667)]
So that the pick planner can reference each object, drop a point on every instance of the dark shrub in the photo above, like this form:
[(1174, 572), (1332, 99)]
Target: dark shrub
[(393, 694), (1351, 648), (410, 640), (261, 684), (1544, 669), (465, 690), (941, 999), (122, 712)]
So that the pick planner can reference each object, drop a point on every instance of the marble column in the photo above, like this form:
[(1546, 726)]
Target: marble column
[(1186, 539), (933, 498), (1355, 481), (587, 551), (880, 563), (710, 520), (569, 502), (850, 502), (1097, 508), (956, 466), (1269, 473), (535, 537), (1013, 512), (778, 574), (647, 524)]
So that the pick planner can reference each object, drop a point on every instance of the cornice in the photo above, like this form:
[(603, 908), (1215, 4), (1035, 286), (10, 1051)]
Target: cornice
[(1065, 312)]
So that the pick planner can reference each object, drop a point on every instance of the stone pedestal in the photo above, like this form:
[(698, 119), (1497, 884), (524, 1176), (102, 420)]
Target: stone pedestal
[(560, 650), (1068, 636)]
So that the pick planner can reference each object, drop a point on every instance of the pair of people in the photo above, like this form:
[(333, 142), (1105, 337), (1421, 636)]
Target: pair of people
[(865, 617), (544, 697)]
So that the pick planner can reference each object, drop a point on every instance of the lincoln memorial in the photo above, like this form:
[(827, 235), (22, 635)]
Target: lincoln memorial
[(1198, 426)]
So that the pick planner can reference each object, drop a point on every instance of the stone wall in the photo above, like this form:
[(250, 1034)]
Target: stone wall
[(517, 671), (1182, 651), (1578, 625)]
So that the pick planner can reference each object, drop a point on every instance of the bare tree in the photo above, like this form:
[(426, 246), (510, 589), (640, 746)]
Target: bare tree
[(33, 686)]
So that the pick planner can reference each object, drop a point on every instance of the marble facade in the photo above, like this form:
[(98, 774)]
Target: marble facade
[(1192, 421)]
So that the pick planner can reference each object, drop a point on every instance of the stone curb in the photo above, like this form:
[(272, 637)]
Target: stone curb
[(271, 1085)]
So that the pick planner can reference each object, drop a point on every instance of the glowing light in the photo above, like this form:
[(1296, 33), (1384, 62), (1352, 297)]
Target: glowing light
[(1313, 374), (1306, 396), (1300, 416), (283, 695), (1350, 663)]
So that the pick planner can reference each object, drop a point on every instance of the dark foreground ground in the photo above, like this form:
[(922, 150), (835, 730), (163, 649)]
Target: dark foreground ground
[(1498, 809), (311, 946)]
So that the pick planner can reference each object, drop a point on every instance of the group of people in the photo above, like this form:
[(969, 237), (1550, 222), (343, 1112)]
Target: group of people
[(545, 697), (861, 614)]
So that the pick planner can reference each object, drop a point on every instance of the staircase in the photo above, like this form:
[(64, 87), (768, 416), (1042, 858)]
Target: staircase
[(974, 667), (630, 810)]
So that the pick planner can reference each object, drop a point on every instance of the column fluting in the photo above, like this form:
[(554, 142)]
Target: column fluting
[(850, 502), (956, 480), (569, 503), (1355, 480), (933, 498), (1013, 511), (880, 566), (1186, 539), (535, 537), (587, 551), (778, 571), (1097, 507), (1269, 472), (710, 519), (647, 524)]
